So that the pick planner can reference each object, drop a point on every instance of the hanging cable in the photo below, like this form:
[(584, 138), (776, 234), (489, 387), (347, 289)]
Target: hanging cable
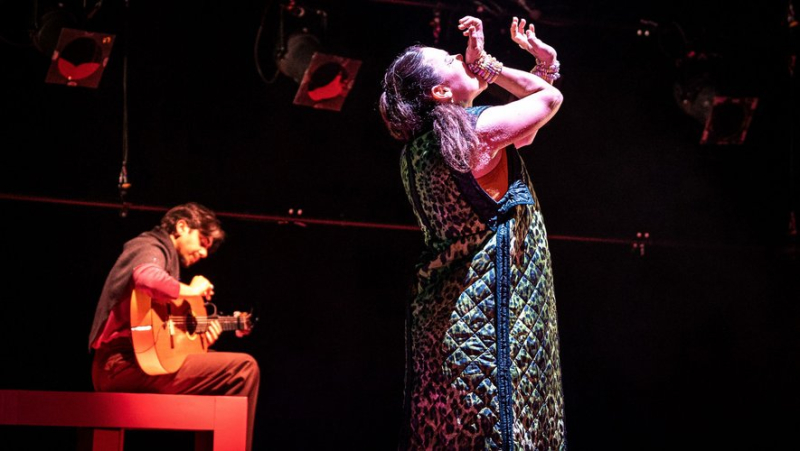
[(257, 46), (123, 184), (791, 231)]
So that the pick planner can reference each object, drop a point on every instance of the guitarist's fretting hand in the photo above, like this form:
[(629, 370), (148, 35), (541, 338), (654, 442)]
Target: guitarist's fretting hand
[(215, 329), (246, 331)]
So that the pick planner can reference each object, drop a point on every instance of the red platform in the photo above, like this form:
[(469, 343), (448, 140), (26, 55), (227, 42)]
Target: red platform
[(220, 421)]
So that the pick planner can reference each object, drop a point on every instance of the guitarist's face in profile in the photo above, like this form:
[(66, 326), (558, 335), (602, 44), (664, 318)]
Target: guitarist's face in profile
[(192, 246)]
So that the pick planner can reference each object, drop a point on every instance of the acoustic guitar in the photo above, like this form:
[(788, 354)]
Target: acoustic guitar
[(164, 334)]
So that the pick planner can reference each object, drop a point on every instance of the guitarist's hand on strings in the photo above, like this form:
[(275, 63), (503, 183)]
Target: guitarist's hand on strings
[(213, 332), (200, 286)]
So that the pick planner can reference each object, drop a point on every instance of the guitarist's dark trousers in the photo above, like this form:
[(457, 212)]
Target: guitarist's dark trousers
[(114, 369)]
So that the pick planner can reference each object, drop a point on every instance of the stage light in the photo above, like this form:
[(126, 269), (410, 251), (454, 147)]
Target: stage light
[(729, 120), (695, 96), (294, 60), (49, 26), (324, 80), (79, 58), (725, 112), (327, 81)]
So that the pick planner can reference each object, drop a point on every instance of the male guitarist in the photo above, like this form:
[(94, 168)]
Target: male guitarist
[(150, 264)]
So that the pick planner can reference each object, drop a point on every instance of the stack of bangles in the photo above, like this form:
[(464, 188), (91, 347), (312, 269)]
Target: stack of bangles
[(486, 67), (547, 72)]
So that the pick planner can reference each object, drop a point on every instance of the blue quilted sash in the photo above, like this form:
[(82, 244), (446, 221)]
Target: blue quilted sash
[(498, 215)]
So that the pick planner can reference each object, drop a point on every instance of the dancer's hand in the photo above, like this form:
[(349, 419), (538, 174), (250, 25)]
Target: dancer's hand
[(473, 30), (528, 41)]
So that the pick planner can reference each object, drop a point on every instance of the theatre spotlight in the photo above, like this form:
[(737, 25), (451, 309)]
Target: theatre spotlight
[(327, 81), (48, 28), (324, 79), (725, 113), (79, 58), (295, 57), (695, 95), (729, 120)]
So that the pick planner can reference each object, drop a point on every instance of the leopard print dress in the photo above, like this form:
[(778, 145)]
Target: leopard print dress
[(483, 368)]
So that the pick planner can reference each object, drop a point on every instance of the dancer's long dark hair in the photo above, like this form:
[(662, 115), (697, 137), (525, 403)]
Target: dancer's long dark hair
[(408, 109)]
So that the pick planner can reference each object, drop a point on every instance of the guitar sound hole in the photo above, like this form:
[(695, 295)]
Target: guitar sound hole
[(191, 324)]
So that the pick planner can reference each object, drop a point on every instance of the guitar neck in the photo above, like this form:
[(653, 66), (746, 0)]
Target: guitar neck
[(199, 324), (229, 323)]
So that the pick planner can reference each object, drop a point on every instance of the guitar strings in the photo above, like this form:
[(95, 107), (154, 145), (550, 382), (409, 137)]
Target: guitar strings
[(227, 323)]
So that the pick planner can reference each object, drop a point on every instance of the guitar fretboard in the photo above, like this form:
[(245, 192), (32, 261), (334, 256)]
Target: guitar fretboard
[(199, 324)]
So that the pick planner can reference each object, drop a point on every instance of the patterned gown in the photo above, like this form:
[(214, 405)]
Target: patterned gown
[(483, 368)]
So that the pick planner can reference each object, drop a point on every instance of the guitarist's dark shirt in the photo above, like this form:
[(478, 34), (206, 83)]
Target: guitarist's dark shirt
[(153, 247)]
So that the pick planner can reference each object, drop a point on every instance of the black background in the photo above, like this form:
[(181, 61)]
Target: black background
[(688, 344)]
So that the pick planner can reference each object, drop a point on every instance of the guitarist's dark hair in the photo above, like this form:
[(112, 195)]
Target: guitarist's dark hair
[(197, 217)]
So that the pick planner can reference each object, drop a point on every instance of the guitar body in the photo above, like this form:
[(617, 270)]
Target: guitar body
[(164, 334)]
